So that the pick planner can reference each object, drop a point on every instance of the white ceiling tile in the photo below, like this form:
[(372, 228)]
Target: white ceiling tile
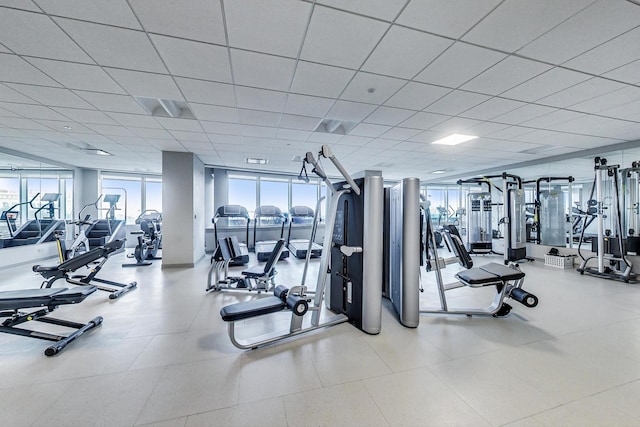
[(33, 111), (553, 118), (354, 140), (294, 135), (109, 130), (629, 111), (383, 88), (416, 96), (382, 144), (381, 9), (308, 105), (492, 108), (186, 125), (259, 118), (263, 71), (424, 121), (202, 20), (486, 128), (86, 116), (545, 84), (258, 131), (404, 52), (581, 92), (135, 120), (388, 116), (350, 111), (455, 125), (456, 102), (347, 44), (56, 97), (194, 59), (112, 12), (260, 99), (4, 49), (400, 134), (629, 73), (609, 100), (20, 4), (504, 75), (17, 70), (369, 130), (320, 80), (250, 25), (20, 123), (137, 83), (221, 128), (215, 113), (594, 25), (151, 133), (78, 76), (290, 121), (452, 18), (205, 92), (34, 34), (9, 95), (323, 138), (610, 55), (524, 113), (115, 47), (190, 136), (217, 138), (76, 130), (112, 102), (516, 22)]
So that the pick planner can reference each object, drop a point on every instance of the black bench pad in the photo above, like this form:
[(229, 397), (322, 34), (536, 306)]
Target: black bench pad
[(255, 271), (252, 308), (489, 274), (28, 298)]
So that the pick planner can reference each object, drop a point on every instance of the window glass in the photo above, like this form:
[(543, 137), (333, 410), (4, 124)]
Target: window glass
[(438, 207), (304, 195), (153, 195), (68, 198), (274, 193), (9, 196), (129, 206), (42, 186), (242, 191)]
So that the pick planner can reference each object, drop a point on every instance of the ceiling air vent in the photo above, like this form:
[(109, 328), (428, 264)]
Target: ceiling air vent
[(337, 127), (165, 107)]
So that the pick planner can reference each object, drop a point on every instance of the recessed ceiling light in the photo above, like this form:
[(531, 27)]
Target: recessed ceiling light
[(102, 153), (96, 151), (454, 139), (66, 127), (255, 161), (439, 171)]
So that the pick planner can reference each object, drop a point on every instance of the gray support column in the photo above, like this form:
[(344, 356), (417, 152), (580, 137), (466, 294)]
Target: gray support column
[(410, 301), (86, 187), (183, 209), (372, 254), (221, 188)]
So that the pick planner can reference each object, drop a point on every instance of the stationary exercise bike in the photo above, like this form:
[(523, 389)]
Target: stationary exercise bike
[(149, 238)]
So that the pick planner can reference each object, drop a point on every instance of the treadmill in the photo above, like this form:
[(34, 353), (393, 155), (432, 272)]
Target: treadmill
[(264, 248), (299, 247), (229, 212)]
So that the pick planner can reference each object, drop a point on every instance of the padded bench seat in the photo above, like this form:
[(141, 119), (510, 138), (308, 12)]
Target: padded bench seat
[(28, 298), (489, 274), (252, 308)]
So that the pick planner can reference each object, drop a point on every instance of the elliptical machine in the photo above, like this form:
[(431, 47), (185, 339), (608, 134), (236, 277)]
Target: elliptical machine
[(149, 238)]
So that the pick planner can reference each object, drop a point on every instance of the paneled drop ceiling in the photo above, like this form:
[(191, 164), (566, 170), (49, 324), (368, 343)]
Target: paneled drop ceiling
[(533, 79)]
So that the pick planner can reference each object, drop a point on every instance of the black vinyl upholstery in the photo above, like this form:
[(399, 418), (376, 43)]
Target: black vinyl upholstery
[(489, 274), (29, 298), (253, 308)]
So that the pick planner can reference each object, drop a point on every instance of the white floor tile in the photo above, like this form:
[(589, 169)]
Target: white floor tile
[(264, 413)]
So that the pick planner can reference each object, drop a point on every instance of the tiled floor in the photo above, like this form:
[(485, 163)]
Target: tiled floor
[(163, 358)]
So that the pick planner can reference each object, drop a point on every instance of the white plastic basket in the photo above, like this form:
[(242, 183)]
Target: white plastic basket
[(559, 261)]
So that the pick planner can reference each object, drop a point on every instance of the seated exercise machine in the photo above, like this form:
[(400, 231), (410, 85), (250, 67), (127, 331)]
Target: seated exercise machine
[(264, 248), (299, 247), (12, 304), (405, 282), (354, 250), (149, 238), (257, 278), (66, 268), (230, 212)]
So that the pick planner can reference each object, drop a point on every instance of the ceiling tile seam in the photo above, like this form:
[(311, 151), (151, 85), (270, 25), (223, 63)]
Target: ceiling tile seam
[(559, 24), (605, 42), (173, 79), (481, 19), (295, 69)]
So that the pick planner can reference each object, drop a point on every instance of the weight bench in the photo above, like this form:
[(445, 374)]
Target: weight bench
[(47, 300), (259, 278), (63, 271), (283, 298)]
